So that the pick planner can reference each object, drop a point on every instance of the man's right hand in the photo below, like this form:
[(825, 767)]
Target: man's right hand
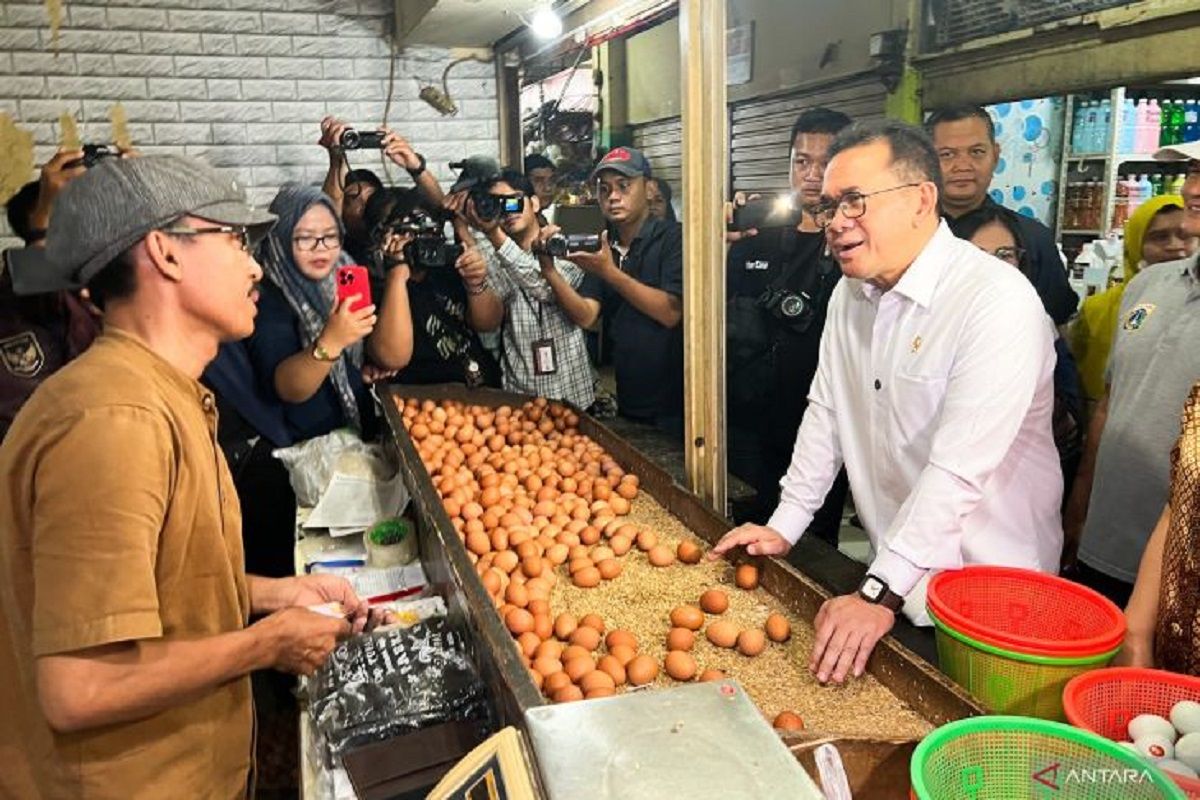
[(345, 327), (759, 540), (739, 200), (58, 172), (298, 640), (331, 133)]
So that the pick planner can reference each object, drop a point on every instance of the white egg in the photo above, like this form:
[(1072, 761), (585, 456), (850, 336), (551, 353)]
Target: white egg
[(1187, 750), (1154, 747), (1146, 724), (1185, 716), (1176, 768)]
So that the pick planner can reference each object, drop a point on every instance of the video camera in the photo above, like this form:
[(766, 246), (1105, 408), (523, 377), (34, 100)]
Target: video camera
[(559, 245), (93, 154), (493, 206), (361, 140), (429, 248)]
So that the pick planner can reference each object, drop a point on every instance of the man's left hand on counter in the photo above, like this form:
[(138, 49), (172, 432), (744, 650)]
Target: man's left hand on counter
[(847, 630)]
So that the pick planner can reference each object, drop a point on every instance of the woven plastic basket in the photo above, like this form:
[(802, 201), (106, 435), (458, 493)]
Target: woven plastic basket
[(1008, 682), (1103, 701), (1026, 611), (1012, 758)]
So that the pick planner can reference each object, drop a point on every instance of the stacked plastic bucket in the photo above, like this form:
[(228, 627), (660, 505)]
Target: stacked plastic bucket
[(1014, 637)]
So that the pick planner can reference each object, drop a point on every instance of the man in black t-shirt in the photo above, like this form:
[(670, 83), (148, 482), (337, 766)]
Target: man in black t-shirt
[(778, 283), (640, 273)]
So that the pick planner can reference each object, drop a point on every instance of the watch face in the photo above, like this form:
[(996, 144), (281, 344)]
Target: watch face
[(872, 588)]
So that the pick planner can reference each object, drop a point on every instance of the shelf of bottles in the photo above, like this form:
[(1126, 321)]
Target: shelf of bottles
[(1109, 167)]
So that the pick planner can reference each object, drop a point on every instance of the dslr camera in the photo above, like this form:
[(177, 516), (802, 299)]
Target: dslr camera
[(793, 309), (361, 140), (429, 248), (490, 207), (93, 154), (559, 244)]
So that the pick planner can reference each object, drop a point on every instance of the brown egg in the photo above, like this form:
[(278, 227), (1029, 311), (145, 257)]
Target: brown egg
[(680, 639), (623, 653), (688, 617), (646, 539), (778, 628), (547, 666), (574, 651), (746, 577), (641, 670), (661, 556), (620, 544), (543, 627), (568, 694), (579, 564), (553, 683), (596, 679), (517, 594), (711, 675), (532, 567), (619, 505), (564, 625), (576, 668), (557, 553), (609, 568), (714, 601), (479, 543), (537, 678), (492, 582), (751, 642), (537, 606), (593, 621), (528, 642), (722, 633), (600, 691), (787, 721), (627, 490), (519, 621), (549, 649), (589, 535), (588, 578), (619, 637), (585, 637), (506, 560), (613, 666), (680, 665), (688, 552)]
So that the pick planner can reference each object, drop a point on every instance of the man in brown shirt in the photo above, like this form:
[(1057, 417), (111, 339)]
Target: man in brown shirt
[(124, 605)]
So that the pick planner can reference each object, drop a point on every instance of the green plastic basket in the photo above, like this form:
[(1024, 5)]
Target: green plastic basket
[(1011, 758), (1008, 682)]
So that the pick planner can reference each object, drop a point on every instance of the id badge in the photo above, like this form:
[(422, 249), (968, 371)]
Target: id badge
[(545, 359)]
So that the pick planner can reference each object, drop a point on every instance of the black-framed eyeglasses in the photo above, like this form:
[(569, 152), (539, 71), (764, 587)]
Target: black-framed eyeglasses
[(330, 241), (852, 204), (241, 231), (1012, 255)]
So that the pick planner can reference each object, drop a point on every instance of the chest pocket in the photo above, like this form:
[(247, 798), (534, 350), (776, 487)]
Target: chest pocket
[(915, 411)]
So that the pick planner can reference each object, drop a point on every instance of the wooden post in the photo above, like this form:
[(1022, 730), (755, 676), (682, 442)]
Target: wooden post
[(705, 178)]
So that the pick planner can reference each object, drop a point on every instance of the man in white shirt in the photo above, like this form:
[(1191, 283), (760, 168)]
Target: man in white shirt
[(934, 387)]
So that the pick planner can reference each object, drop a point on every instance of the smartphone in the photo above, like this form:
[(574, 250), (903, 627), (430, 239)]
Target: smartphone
[(353, 280), (768, 211)]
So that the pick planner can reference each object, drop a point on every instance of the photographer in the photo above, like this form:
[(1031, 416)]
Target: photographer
[(639, 267), (779, 280), (310, 349), (445, 285), (544, 351), (349, 190), (39, 331)]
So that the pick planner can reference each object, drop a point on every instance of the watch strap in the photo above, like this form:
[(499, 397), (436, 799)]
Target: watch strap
[(417, 170), (321, 354), (887, 598)]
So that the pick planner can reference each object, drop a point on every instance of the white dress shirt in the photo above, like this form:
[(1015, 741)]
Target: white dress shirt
[(937, 396)]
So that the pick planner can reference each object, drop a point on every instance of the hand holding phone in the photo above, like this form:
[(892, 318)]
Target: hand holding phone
[(353, 280)]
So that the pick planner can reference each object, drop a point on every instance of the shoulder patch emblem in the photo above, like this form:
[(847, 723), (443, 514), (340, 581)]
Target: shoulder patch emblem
[(22, 355), (1138, 315)]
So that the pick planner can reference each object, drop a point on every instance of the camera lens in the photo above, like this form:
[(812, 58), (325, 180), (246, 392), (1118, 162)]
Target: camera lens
[(350, 139)]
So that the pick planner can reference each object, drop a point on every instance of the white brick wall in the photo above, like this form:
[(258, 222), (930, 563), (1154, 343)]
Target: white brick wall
[(240, 83)]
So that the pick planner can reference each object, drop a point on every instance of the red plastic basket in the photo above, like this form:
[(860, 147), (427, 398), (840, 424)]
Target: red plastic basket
[(1026, 611), (1104, 700)]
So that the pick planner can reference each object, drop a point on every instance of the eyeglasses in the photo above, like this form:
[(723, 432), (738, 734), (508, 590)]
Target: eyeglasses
[(852, 205), (241, 231), (1012, 255), (330, 241)]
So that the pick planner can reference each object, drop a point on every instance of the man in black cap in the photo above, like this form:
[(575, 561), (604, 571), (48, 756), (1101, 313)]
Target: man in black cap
[(640, 270), (124, 605)]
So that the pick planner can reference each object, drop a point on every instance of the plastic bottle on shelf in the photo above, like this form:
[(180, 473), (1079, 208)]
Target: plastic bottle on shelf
[(1079, 131), (1166, 130), (1175, 184), (1133, 190), (1156, 184), (1088, 137), (1178, 122), (1153, 127), (1095, 205), (1128, 129), (1141, 123), (1191, 121), (1103, 133), (1145, 187), (1120, 205)]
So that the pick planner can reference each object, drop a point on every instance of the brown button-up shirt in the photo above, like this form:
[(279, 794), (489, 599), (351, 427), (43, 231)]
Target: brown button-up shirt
[(119, 521)]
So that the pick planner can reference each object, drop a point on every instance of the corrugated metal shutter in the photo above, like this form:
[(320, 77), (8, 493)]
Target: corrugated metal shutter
[(760, 128), (662, 142)]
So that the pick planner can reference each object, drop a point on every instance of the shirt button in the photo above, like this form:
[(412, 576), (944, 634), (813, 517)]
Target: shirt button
[(878, 385)]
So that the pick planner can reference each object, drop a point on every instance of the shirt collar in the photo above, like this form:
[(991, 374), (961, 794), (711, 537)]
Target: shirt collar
[(169, 372), (920, 280)]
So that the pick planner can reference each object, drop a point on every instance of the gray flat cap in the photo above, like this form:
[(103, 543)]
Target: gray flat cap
[(112, 206)]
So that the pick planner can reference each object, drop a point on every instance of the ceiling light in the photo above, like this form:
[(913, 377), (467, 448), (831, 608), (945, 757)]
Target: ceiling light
[(545, 23)]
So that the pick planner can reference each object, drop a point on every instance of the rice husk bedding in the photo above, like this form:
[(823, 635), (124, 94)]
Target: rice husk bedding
[(640, 601)]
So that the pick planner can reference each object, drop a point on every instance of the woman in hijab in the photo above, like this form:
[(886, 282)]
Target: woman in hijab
[(1153, 234), (310, 350)]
